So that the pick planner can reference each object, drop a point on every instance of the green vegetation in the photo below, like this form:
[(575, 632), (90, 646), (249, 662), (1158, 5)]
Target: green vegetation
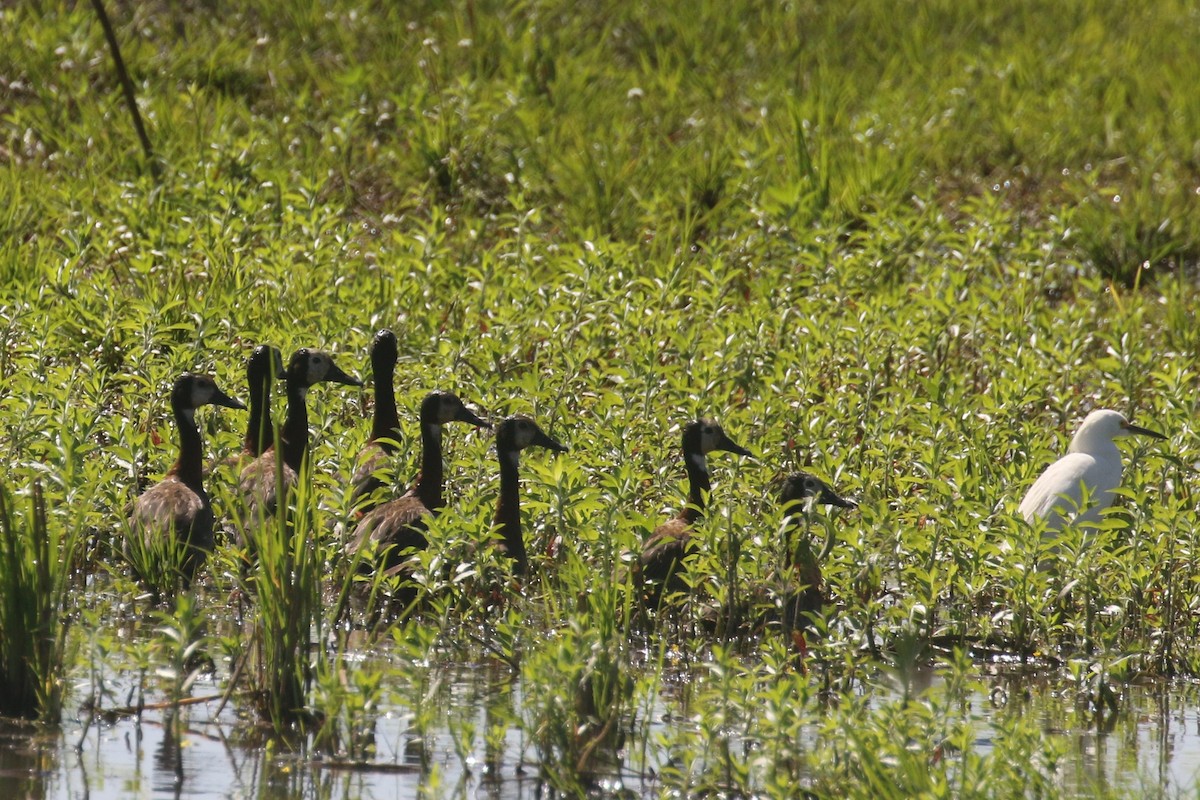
[(286, 587), (158, 562), (36, 560), (907, 249)]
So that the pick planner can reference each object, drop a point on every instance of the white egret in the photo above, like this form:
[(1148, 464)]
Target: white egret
[(1092, 460)]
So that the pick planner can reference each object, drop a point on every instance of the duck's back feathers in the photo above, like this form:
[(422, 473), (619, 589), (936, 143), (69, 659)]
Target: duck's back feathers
[(660, 562), (185, 513), (259, 486), (398, 525)]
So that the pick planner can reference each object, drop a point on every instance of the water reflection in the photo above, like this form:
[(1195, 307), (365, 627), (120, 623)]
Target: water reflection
[(168, 759), (26, 758), (477, 749), (1152, 743)]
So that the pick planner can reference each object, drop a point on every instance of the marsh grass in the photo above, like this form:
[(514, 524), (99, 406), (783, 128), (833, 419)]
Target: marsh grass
[(883, 247), (36, 559), (287, 581), (182, 641), (158, 562)]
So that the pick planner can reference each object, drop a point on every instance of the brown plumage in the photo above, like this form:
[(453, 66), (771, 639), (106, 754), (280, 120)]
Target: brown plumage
[(660, 565), (259, 491), (378, 453), (397, 527), (178, 505), (513, 435)]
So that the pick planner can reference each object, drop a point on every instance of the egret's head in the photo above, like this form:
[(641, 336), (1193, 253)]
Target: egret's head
[(1103, 426)]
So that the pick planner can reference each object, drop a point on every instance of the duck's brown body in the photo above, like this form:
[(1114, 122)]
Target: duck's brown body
[(661, 563), (396, 528), (179, 506), (664, 552)]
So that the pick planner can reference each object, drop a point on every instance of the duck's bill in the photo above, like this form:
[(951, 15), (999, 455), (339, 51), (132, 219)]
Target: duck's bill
[(542, 440), (338, 375), (832, 498), (219, 398), (467, 415), (730, 446)]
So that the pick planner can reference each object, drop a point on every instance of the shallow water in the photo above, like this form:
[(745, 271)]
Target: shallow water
[(227, 757), (1151, 747)]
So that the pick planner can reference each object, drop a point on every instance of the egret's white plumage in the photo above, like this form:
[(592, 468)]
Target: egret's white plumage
[(1092, 460)]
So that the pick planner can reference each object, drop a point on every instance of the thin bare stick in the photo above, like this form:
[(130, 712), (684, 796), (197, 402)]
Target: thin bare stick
[(126, 83), (130, 711)]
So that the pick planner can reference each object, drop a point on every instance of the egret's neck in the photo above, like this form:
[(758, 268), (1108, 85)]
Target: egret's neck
[(1099, 447)]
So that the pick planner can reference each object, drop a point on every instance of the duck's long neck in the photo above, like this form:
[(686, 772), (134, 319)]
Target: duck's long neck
[(508, 509), (431, 479), (294, 436), (188, 467), (387, 420), (698, 486), (795, 539), (260, 432)]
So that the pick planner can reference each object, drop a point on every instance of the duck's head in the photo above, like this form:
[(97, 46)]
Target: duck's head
[(518, 432), (809, 490), (384, 351), (702, 436), (263, 362), (440, 407), (310, 367), (192, 391)]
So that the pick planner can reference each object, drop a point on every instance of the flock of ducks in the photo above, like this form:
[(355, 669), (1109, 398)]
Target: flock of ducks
[(1078, 487), (179, 509)]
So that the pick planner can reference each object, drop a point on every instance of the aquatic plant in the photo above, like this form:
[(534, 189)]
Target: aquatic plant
[(286, 580), (158, 563), (36, 560)]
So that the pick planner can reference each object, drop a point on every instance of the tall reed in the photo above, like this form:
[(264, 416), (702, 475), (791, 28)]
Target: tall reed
[(35, 564), (287, 583)]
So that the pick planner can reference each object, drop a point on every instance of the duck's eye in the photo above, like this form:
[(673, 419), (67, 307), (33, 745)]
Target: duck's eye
[(708, 431)]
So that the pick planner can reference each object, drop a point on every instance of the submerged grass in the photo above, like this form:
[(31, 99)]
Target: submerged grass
[(905, 252)]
